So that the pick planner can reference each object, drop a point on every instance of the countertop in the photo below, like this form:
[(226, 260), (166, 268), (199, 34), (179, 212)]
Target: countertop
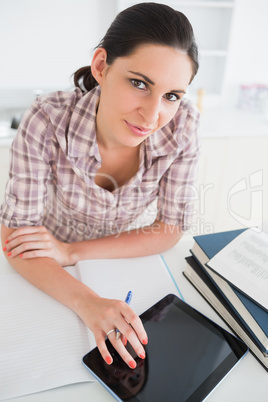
[(235, 122)]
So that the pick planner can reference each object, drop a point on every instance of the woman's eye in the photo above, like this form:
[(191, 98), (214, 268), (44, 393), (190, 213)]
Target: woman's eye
[(138, 84), (172, 97)]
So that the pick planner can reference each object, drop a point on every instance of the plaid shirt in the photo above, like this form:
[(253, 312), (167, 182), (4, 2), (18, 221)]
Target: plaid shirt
[(55, 157)]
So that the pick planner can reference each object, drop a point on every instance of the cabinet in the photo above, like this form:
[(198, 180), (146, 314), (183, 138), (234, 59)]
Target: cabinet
[(211, 21)]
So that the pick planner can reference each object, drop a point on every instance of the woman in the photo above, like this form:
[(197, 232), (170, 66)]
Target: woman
[(86, 164)]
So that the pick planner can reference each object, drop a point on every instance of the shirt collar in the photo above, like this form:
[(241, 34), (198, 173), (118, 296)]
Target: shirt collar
[(82, 129)]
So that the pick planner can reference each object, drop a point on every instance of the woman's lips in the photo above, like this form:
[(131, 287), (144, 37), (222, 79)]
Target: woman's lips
[(137, 130)]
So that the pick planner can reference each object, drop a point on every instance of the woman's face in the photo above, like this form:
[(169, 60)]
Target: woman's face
[(140, 93)]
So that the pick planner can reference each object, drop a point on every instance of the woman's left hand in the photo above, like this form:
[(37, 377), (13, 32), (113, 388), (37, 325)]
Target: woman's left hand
[(36, 241)]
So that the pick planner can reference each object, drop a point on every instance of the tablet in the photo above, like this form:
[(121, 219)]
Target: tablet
[(186, 357)]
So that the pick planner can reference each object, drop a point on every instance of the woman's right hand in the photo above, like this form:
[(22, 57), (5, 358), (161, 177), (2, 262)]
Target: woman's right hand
[(99, 314), (103, 315)]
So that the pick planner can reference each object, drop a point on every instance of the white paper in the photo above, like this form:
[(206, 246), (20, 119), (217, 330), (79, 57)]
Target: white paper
[(147, 277), (42, 342), (244, 263)]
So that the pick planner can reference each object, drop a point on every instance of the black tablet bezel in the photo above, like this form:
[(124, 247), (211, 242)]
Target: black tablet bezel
[(95, 364)]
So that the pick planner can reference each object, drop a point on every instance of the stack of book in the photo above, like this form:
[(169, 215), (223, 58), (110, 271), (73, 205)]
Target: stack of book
[(246, 317)]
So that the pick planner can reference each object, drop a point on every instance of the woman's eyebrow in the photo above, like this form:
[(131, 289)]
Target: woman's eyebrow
[(143, 76), (152, 82), (180, 91)]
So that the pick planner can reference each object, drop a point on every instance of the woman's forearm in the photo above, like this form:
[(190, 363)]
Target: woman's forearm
[(49, 276), (99, 314), (148, 240), (35, 241)]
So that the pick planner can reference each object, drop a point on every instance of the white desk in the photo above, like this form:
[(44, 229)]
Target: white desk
[(247, 382)]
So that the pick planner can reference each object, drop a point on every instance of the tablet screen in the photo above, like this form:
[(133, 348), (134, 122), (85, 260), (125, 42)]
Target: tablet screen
[(186, 357)]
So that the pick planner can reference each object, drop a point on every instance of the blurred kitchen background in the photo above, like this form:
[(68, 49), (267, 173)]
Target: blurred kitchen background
[(43, 43)]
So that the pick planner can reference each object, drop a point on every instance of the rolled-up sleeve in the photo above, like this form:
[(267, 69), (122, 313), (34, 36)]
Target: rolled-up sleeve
[(26, 188), (178, 186)]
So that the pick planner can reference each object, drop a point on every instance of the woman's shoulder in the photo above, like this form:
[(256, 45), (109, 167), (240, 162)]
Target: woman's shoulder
[(52, 104), (186, 120), (180, 131), (59, 106), (53, 112), (58, 100), (188, 108)]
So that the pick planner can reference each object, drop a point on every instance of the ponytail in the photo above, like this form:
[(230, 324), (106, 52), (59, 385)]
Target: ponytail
[(84, 79)]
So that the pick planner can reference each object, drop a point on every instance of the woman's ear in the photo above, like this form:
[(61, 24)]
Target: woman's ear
[(99, 64)]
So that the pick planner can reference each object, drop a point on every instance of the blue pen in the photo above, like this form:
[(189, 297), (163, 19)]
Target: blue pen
[(127, 300), (129, 297)]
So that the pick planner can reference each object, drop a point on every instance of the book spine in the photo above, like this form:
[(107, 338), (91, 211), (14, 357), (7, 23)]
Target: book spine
[(236, 311), (230, 321)]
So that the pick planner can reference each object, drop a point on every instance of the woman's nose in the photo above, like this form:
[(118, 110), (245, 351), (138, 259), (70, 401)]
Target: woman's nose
[(150, 110)]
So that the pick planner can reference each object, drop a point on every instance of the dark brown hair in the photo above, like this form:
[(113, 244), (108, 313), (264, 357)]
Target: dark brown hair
[(143, 23)]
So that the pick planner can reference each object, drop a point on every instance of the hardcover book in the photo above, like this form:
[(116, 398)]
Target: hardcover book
[(254, 317), (205, 286)]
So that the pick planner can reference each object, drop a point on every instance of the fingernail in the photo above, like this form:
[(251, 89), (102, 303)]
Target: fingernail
[(21, 255), (108, 360), (145, 341), (132, 364), (4, 248), (142, 355), (125, 342), (6, 241), (9, 254)]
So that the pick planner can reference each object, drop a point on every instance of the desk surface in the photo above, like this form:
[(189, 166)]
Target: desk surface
[(246, 382)]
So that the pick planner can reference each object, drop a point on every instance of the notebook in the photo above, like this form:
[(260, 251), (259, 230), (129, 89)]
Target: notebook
[(42, 341)]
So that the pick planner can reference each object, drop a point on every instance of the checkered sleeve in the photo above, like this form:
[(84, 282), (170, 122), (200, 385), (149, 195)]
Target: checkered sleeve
[(29, 172), (178, 186)]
